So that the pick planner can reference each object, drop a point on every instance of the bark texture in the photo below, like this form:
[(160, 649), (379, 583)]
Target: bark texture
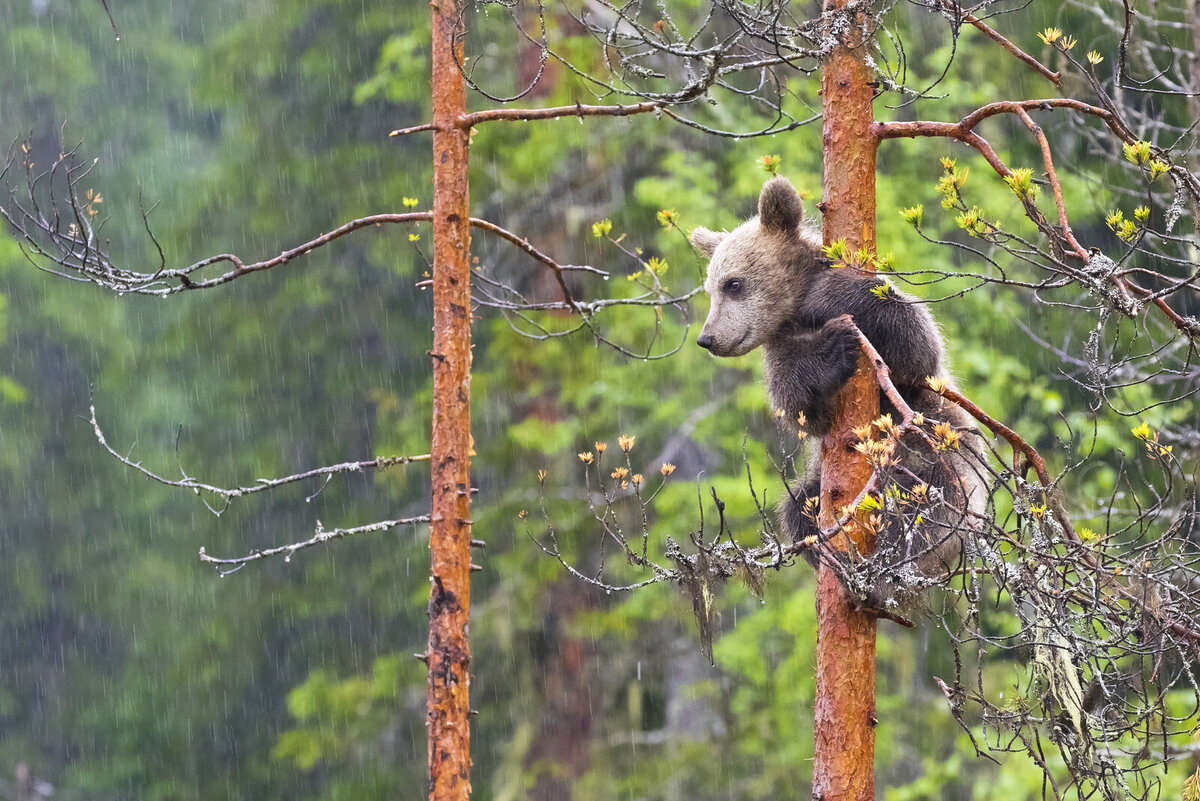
[(845, 701), (450, 530)]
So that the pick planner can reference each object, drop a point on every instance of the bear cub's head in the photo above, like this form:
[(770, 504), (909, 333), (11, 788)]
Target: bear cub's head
[(757, 273)]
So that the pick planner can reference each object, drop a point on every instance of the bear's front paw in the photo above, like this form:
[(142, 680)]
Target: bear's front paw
[(842, 349)]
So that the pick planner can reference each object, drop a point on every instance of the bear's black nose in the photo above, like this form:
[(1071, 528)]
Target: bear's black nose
[(704, 341)]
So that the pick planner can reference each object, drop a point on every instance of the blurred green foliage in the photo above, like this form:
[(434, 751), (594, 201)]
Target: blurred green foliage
[(130, 670)]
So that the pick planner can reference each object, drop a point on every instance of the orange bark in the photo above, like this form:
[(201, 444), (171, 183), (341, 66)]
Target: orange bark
[(845, 701), (450, 530)]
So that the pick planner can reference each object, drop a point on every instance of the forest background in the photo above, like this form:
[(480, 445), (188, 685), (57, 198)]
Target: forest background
[(132, 670)]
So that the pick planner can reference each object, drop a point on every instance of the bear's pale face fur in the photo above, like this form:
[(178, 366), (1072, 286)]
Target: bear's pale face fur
[(757, 273)]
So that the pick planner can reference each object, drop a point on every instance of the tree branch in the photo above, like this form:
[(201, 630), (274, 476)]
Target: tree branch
[(915, 128), (228, 494), (1056, 187), (963, 131), (429, 126), (467, 121), (322, 535), (73, 246)]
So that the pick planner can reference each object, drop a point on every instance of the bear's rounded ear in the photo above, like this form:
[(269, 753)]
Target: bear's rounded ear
[(706, 241), (779, 205)]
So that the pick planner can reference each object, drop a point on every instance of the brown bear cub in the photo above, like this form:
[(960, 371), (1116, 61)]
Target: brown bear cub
[(771, 285)]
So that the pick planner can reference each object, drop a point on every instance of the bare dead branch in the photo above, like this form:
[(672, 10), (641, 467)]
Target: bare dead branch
[(429, 126), (230, 565), (228, 494), (579, 110)]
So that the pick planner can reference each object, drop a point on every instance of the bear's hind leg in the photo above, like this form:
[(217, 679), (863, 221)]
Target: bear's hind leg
[(797, 516)]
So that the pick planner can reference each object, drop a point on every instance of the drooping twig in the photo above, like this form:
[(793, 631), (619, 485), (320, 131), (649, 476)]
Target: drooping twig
[(111, 21)]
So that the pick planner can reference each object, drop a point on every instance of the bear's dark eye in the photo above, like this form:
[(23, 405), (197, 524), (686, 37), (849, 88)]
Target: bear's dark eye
[(733, 286)]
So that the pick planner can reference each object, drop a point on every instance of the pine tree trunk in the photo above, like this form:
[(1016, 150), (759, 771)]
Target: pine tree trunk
[(845, 701), (450, 531)]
